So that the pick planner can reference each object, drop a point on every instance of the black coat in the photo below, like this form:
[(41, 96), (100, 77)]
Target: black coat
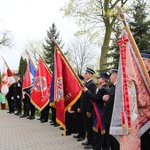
[(98, 97), (18, 90), (108, 107), (86, 105)]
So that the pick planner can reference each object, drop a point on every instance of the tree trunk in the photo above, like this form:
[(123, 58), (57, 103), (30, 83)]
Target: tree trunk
[(105, 47)]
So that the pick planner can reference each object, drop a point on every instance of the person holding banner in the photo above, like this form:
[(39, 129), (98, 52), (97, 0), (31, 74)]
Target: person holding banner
[(87, 108), (18, 94), (108, 108), (98, 126), (145, 138)]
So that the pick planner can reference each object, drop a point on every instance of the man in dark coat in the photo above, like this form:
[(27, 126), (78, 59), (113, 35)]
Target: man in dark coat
[(108, 108), (145, 138), (87, 108), (10, 99), (18, 94), (98, 103)]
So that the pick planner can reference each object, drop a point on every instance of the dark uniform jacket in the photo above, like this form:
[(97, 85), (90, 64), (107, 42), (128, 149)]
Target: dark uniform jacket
[(86, 105), (108, 107), (18, 90)]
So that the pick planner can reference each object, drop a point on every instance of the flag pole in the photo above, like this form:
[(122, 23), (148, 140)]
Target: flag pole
[(8, 67), (53, 39), (122, 18), (30, 59)]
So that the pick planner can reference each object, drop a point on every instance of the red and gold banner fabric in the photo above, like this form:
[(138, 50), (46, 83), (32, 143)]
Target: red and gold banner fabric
[(66, 87), (40, 93)]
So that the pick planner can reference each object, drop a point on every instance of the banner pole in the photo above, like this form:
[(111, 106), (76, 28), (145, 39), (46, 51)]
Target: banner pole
[(122, 18), (53, 39)]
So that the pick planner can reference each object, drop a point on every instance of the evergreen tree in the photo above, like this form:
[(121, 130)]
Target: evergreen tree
[(22, 67), (50, 45), (140, 26)]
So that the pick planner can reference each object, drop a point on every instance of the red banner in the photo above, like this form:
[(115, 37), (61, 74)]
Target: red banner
[(41, 89), (67, 89)]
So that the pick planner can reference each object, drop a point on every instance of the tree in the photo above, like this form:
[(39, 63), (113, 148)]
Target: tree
[(80, 54), (22, 67), (95, 18), (34, 47), (49, 46), (140, 25), (5, 38)]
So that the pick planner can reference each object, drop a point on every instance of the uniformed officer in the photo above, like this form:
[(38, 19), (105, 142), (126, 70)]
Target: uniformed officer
[(145, 138), (108, 108), (87, 108), (99, 134), (18, 94)]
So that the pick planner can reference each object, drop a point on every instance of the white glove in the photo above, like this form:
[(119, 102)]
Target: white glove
[(18, 96)]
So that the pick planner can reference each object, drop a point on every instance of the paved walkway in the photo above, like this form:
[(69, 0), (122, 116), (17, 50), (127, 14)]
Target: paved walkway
[(23, 134)]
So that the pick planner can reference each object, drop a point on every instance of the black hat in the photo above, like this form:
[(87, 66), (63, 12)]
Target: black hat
[(89, 70), (103, 75), (17, 74), (80, 77), (113, 71), (145, 55)]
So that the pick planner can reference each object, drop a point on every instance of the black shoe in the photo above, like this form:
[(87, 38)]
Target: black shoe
[(88, 147), (56, 125), (80, 139), (42, 120), (16, 113), (31, 118), (76, 136), (85, 143), (19, 114), (61, 128), (23, 116)]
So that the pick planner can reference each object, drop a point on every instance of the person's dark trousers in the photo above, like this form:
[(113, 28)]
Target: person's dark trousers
[(145, 140), (81, 129), (53, 116), (88, 123), (19, 105), (32, 109), (45, 113), (10, 104), (98, 140), (113, 143)]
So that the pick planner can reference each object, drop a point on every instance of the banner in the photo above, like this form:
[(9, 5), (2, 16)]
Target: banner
[(30, 73), (66, 90), (7, 79), (41, 88), (132, 99)]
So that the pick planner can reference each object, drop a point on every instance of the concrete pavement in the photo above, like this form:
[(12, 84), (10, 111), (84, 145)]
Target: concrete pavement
[(24, 134)]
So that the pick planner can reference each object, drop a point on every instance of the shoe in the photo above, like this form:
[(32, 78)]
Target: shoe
[(76, 136), (42, 120), (31, 118), (85, 143), (19, 114), (80, 139), (16, 113), (88, 146), (56, 125), (61, 128), (28, 117), (23, 116)]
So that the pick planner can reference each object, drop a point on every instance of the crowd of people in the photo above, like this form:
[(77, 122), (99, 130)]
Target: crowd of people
[(93, 109)]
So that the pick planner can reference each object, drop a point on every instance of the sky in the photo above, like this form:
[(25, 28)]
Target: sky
[(29, 20)]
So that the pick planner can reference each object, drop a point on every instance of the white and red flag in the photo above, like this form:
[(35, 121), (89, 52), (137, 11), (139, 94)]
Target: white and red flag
[(7, 79)]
